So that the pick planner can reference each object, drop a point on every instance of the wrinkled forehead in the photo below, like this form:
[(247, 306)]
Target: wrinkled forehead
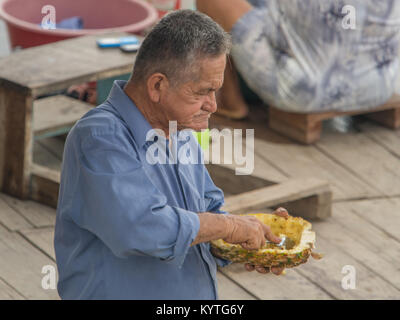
[(210, 71)]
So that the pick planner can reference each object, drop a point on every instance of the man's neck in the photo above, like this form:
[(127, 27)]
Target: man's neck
[(150, 111)]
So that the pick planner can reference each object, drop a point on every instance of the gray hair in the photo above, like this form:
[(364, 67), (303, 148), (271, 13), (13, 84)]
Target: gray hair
[(176, 43)]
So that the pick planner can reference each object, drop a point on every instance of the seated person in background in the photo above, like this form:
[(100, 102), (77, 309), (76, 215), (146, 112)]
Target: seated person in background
[(297, 56)]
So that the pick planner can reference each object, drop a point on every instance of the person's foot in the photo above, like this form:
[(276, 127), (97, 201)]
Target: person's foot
[(84, 91), (231, 106)]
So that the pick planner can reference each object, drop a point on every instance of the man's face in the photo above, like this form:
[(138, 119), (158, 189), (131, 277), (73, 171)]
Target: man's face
[(192, 103)]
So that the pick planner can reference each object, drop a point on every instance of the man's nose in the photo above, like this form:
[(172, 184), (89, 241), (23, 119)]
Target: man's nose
[(211, 104)]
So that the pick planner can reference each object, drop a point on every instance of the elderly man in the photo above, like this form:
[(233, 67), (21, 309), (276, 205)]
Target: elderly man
[(309, 56), (128, 228)]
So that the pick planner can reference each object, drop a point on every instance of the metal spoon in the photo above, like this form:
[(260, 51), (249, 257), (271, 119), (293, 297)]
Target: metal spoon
[(286, 242), (280, 244)]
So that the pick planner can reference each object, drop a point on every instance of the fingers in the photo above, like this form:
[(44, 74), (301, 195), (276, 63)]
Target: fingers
[(282, 212), (277, 270), (254, 243), (249, 246), (264, 270), (246, 231), (269, 235), (260, 269), (249, 267)]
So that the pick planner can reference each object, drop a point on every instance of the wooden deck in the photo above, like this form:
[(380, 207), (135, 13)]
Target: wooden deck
[(363, 168)]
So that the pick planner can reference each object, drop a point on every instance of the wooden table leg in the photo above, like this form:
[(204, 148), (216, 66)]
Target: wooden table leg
[(15, 141)]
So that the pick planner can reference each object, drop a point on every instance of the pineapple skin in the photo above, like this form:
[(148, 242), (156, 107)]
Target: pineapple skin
[(296, 227), (241, 255)]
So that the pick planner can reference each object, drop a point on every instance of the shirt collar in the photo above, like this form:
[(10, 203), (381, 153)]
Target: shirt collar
[(137, 123), (135, 120)]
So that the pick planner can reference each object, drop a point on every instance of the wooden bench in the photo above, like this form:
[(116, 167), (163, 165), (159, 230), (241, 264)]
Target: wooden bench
[(306, 127), (27, 74), (308, 198), (56, 115)]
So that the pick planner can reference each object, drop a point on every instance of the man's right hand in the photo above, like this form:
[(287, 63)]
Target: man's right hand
[(248, 231)]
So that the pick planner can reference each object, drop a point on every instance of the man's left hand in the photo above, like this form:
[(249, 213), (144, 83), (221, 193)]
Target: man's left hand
[(282, 212)]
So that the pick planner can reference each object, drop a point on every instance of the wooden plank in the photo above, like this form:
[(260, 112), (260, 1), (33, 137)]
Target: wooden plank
[(303, 128), (3, 121), (256, 120), (228, 290), (284, 192), (16, 133), (389, 139), (56, 115), (45, 178), (12, 219), (55, 66), (222, 154), (226, 179), (268, 286), (368, 245), (265, 170), (16, 252), (45, 184), (42, 238), (367, 159), (387, 118), (313, 207), (383, 214), (299, 161), (55, 146), (37, 214), (327, 272), (9, 293), (42, 156)]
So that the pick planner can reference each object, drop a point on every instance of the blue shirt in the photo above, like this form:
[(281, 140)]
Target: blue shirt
[(124, 223)]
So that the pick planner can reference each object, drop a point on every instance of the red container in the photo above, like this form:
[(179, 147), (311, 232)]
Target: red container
[(162, 13), (23, 18)]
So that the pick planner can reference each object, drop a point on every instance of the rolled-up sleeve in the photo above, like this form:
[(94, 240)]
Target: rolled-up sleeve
[(122, 207)]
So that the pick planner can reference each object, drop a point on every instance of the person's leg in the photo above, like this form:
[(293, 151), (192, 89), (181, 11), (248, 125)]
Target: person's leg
[(226, 12), (230, 99)]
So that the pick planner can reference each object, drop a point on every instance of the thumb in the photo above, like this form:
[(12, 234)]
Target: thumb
[(269, 235)]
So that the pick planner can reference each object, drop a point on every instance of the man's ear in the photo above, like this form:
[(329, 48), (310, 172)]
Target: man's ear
[(157, 84)]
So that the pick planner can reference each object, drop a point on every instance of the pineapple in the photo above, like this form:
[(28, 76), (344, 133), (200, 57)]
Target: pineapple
[(297, 249)]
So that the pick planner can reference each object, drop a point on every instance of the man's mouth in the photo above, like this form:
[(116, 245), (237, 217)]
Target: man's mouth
[(203, 116)]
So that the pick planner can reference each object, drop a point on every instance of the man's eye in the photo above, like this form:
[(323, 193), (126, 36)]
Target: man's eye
[(206, 92)]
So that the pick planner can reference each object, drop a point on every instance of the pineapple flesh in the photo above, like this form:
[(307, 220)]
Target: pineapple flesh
[(296, 250)]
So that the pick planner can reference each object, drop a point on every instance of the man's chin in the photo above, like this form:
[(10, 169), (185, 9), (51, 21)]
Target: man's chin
[(198, 126)]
